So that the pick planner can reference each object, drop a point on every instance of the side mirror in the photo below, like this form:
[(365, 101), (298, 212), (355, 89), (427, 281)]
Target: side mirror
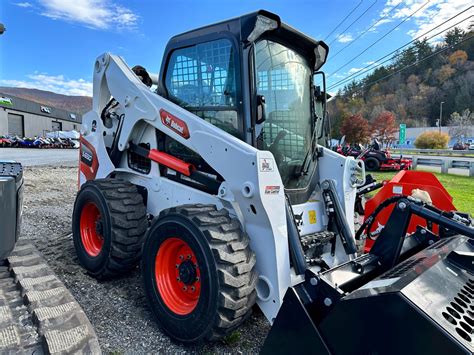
[(261, 116)]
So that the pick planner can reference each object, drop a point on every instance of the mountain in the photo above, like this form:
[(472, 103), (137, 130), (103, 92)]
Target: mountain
[(414, 85), (79, 104)]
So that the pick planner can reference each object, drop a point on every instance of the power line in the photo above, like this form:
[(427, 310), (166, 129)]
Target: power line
[(377, 41), (368, 29), (415, 63), (344, 19), (377, 63), (357, 19)]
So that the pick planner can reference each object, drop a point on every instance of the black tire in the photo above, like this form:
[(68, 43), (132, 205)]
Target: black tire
[(226, 267), (123, 226), (372, 164)]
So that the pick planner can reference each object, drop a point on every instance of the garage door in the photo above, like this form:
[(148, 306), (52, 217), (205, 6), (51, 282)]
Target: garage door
[(15, 125), (57, 126)]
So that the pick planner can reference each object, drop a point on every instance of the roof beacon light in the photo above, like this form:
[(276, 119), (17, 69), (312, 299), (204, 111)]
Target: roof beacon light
[(262, 25)]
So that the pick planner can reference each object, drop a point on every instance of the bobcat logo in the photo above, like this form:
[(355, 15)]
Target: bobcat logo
[(299, 219)]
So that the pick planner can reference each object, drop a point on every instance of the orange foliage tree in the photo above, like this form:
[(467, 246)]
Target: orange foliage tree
[(384, 127), (356, 129)]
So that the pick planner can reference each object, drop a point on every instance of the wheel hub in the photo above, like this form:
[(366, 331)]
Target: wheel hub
[(99, 228), (187, 272), (177, 276)]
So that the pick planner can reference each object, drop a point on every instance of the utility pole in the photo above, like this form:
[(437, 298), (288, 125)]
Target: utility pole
[(440, 115)]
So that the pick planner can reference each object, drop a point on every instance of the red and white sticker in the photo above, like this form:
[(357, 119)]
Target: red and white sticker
[(266, 164), (174, 123), (272, 190)]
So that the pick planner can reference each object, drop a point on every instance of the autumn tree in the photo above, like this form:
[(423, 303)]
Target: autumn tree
[(384, 127), (356, 129), (460, 124), (459, 57)]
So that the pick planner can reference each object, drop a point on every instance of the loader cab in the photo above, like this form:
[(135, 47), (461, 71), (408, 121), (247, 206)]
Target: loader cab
[(257, 79)]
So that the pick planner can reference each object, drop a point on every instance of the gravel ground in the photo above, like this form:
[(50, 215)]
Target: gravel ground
[(117, 309)]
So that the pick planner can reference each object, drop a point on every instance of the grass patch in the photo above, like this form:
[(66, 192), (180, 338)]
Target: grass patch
[(461, 188)]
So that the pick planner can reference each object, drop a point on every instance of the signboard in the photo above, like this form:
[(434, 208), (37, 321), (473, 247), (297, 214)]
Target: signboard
[(45, 109), (5, 101), (402, 133)]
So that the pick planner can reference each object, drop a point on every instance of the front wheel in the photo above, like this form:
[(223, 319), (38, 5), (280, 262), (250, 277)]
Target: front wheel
[(109, 224), (198, 272)]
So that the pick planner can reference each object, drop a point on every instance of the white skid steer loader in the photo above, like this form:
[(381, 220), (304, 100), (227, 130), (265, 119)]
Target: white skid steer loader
[(220, 182)]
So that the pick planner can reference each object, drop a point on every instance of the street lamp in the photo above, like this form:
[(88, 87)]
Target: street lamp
[(440, 115)]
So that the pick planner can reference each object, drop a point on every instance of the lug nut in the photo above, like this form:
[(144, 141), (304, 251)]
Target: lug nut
[(193, 288), (189, 256), (178, 279), (177, 265), (185, 288), (181, 257)]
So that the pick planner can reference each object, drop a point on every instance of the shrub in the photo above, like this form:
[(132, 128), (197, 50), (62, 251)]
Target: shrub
[(432, 140)]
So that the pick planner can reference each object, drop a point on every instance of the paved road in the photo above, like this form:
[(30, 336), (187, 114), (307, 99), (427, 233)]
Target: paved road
[(34, 157)]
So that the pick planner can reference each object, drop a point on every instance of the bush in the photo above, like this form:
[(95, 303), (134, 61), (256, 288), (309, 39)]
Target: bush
[(432, 140)]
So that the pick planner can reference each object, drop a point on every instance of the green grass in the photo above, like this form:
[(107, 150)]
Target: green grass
[(461, 188)]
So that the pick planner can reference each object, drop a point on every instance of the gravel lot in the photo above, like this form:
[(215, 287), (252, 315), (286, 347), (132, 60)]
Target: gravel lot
[(117, 309)]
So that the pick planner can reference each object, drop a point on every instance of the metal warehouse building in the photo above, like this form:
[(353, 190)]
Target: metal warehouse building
[(25, 118)]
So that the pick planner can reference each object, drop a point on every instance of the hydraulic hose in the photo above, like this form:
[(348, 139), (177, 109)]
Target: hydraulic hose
[(370, 220)]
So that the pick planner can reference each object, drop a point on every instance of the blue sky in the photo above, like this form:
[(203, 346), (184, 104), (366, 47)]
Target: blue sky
[(52, 44)]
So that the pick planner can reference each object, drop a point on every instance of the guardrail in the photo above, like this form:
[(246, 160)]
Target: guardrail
[(445, 164), (440, 152)]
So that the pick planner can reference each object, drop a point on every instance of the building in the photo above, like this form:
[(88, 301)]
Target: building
[(412, 133), (25, 118)]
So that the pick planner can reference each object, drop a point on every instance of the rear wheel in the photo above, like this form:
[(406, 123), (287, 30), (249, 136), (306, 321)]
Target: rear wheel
[(109, 224), (372, 164), (198, 272)]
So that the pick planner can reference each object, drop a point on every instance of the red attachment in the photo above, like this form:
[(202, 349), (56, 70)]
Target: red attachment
[(91, 239), (171, 162), (402, 184), (177, 276)]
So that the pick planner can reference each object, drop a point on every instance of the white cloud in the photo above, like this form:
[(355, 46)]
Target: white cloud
[(24, 4), (54, 83), (430, 16), (353, 70), (370, 62), (344, 38), (96, 14)]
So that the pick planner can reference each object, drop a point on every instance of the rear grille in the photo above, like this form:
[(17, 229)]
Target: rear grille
[(460, 312)]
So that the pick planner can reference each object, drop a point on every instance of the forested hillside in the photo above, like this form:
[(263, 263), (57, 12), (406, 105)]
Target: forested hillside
[(412, 85)]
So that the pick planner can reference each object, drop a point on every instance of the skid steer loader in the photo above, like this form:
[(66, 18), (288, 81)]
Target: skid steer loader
[(220, 182)]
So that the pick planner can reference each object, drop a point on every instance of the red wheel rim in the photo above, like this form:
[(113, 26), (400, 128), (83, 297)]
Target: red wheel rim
[(177, 276), (90, 226)]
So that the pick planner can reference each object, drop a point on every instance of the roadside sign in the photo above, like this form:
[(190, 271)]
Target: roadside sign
[(401, 135)]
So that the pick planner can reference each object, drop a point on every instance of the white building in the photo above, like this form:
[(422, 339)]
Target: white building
[(25, 118)]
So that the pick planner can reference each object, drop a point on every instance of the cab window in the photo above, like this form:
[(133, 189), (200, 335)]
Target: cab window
[(202, 79)]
